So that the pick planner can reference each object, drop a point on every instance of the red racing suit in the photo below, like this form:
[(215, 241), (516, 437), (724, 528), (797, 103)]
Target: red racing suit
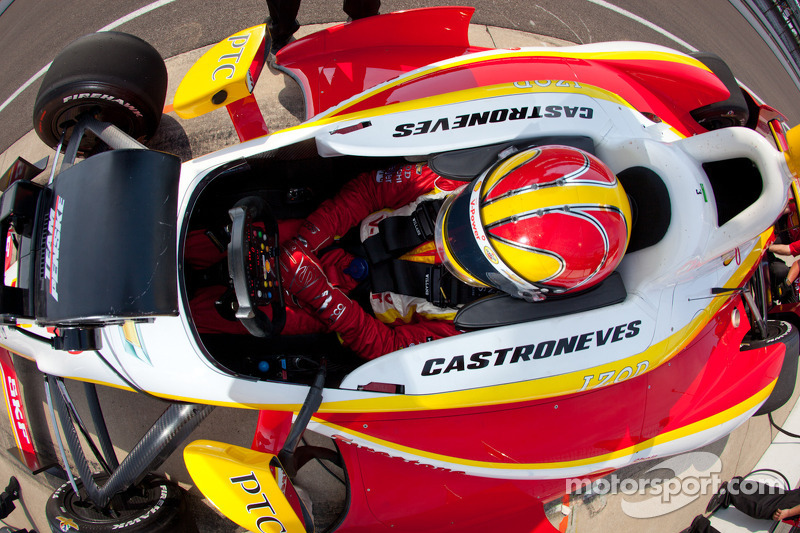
[(370, 192), (381, 191)]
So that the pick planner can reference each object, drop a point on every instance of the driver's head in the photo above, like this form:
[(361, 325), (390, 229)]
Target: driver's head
[(547, 220)]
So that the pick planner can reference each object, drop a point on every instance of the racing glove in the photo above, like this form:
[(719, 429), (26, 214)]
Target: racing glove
[(303, 278)]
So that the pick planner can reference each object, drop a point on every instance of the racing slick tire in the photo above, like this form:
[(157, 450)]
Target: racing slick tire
[(155, 505), (118, 77), (731, 112)]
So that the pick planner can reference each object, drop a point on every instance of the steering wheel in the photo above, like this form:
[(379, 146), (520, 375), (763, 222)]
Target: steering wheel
[(253, 267)]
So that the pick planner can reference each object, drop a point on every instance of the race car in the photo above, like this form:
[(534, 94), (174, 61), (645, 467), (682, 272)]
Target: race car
[(674, 349)]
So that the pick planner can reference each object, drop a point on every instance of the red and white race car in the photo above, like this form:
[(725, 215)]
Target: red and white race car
[(677, 347)]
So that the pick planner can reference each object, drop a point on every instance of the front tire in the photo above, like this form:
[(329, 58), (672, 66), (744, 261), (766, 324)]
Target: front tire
[(728, 113), (156, 505), (116, 77), (778, 331)]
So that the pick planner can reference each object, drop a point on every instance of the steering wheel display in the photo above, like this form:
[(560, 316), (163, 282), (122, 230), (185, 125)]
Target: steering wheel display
[(252, 266)]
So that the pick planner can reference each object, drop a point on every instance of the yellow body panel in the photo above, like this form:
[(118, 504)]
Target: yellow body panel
[(221, 75), (244, 484)]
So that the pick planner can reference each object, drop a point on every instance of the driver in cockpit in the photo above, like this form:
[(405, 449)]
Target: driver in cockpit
[(544, 222)]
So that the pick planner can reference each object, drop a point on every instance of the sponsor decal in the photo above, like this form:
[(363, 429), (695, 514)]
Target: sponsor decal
[(248, 80), (16, 411), (398, 174), (593, 381), (67, 524), (495, 116), (132, 341), (729, 257), (474, 220), (489, 253), (52, 247), (532, 352), (108, 97), (237, 43), (250, 484), (15, 403)]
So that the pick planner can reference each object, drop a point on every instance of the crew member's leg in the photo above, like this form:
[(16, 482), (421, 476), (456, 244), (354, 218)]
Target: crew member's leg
[(759, 500), (358, 9), (282, 21)]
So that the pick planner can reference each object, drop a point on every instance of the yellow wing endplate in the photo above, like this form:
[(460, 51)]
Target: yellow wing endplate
[(247, 486), (222, 75), (793, 154)]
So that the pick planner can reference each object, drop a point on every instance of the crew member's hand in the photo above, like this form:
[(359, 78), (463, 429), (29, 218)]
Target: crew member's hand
[(780, 514)]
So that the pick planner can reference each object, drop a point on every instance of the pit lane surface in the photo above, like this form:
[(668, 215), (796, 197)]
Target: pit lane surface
[(32, 33)]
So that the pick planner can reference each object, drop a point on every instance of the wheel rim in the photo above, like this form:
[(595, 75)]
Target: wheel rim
[(134, 502)]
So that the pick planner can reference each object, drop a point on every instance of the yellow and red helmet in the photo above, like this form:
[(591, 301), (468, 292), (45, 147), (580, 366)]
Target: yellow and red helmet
[(544, 221)]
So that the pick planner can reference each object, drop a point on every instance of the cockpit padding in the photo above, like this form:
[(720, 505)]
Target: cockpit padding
[(650, 206), (502, 309), (467, 164)]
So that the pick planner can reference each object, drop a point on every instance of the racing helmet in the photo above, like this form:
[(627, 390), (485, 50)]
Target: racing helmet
[(544, 221)]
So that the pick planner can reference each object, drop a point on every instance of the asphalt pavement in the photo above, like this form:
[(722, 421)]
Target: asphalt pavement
[(33, 31)]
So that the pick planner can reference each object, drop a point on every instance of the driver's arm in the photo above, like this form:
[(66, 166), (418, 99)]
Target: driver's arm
[(363, 195), (303, 278)]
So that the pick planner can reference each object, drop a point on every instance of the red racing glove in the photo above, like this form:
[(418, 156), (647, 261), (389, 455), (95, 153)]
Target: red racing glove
[(305, 281), (303, 278)]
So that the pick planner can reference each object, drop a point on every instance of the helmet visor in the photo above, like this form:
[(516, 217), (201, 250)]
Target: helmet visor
[(466, 251), (453, 237)]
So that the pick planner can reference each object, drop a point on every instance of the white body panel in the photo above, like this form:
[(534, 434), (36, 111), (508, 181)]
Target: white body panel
[(667, 284)]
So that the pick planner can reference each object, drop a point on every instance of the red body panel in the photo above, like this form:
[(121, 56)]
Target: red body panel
[(247, 118), (16, 411), (388, 494), (326, 79), (642, 83), (271, 431), (694, 387)]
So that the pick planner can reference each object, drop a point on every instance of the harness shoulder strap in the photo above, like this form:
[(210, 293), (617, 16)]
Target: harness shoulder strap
[(433, 283), (399, 234)]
